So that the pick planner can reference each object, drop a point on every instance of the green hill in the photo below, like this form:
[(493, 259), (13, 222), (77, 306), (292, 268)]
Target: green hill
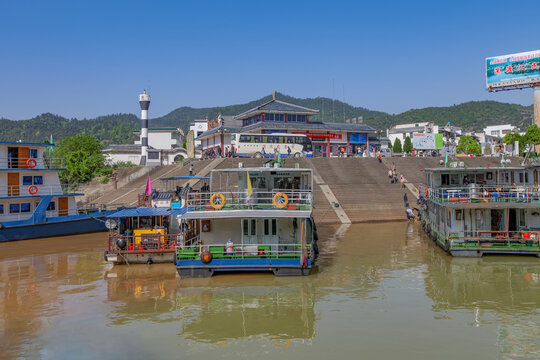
[(473, 115), (118, 128)]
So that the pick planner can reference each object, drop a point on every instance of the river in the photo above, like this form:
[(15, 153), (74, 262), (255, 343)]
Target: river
[(381, 291)]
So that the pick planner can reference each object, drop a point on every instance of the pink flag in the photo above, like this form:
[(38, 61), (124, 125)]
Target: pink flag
[(148, 189)]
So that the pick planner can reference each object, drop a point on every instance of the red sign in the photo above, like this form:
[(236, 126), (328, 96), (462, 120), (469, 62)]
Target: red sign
[(320, 135)]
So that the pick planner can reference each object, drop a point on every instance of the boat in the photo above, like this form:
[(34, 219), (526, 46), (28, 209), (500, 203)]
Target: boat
[(33, 202), (476, 211), (249, 220), (150, 232)]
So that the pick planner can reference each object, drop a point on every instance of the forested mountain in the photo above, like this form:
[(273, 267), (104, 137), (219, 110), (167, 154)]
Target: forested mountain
[(118, 128), (473, 115)]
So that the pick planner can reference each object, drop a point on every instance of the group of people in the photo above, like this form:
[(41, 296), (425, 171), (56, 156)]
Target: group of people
[(392, 175), (211, 153)]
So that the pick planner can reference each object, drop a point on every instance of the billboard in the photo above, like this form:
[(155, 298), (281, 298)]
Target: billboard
[(513, 71), (423, 141)]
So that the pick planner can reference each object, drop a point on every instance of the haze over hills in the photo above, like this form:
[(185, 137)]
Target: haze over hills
[(118, 128)]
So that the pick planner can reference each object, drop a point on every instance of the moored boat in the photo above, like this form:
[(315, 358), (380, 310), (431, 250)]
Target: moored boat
[(250, 219), (33, 202), (483, 210)]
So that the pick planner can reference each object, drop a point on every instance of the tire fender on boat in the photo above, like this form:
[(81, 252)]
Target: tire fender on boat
[(105, 254), (447, 245)]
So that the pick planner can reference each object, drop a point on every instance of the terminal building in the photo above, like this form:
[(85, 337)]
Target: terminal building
[(276, 116)]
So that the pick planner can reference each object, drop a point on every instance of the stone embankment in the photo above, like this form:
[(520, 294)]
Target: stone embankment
[(346, 190)]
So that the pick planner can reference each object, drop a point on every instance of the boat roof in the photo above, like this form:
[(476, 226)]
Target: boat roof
[(185, 177), (262, 169), (24, 143), (147, 211), (477, 168)]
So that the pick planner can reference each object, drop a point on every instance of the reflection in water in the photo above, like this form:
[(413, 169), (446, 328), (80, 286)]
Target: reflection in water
[(374, 282)]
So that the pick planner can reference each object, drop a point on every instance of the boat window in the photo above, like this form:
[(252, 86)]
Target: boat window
[(51, 206), (454, 180), (33, 153), (27, 180), (274, 227), (246, 227), (25, 207), (1, 208), (445, 179), (253, 227), (38, 180), (266, 229), (14, 208)]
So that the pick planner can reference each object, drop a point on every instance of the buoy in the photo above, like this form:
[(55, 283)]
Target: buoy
[(217, 201), (280, 200), (206, 257), (31, 163)]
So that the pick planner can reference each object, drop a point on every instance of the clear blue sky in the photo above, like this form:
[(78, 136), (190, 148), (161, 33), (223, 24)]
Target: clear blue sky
[(90, 58)]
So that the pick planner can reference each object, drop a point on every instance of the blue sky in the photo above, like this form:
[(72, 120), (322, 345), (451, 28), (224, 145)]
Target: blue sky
[(90, 58)]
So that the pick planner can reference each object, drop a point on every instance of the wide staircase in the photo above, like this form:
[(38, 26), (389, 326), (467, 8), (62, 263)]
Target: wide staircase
[(362, 188)]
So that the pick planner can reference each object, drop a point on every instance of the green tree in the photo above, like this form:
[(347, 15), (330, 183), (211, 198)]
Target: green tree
[(467, 145), (407, 145), (511, 137), (397, 146), (532, 136), (83, 157)]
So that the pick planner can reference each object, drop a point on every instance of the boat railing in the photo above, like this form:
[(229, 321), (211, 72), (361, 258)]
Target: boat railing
[(35, 189), (17, 211), (32, 163), (475, 193), (488, 238), (144, 242), (290, 250), (275, 199)]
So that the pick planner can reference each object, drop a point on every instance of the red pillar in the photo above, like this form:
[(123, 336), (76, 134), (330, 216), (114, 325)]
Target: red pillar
[(222, 143), (285, 117), (348, 143)]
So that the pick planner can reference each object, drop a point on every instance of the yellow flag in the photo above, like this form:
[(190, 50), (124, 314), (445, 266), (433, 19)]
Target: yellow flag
[(249, 188)]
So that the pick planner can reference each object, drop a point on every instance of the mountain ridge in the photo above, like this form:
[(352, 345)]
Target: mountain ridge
[(118, 128)]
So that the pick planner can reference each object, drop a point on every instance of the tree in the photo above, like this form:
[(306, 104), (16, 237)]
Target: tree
[(407, 145), (83, 158), (397, 146), (467, 145), (511, 137), (532, 136)]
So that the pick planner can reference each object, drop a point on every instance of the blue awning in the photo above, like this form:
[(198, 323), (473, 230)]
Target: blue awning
[(141, 212), (136, 212)]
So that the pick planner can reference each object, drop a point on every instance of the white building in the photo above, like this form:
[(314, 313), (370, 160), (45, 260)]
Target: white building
[(199, 126), (450, 133), (499, 130), (164, 146)]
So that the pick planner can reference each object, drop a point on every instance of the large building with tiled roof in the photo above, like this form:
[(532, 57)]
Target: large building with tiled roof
[(276, 116)]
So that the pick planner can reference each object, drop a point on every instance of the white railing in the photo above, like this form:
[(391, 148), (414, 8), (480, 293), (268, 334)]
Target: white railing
[(282, 250), (26, 163), (38, 190), (258, 200), (483, 193)]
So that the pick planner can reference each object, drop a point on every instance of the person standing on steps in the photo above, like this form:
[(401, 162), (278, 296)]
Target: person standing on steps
[(190, 169), (402, 180)]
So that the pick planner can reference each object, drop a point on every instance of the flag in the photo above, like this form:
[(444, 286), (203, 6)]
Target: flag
[(249, 188), (148, 189), (446, 159)]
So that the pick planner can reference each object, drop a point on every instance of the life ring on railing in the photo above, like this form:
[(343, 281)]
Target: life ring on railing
[(280, 200), (32, 189), (31, 163), (217, 201)]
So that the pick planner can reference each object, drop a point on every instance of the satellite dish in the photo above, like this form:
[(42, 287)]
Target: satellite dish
[(110, 224)]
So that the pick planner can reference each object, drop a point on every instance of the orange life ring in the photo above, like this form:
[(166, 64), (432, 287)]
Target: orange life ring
[(32, 189), (217, 201), (280, 200), (31, 163)]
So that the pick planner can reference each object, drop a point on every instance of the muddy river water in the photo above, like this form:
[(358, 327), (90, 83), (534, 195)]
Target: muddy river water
[(381, 291)]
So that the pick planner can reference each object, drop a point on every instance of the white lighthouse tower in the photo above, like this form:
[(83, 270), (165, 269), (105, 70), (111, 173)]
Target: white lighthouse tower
[(144, 101)]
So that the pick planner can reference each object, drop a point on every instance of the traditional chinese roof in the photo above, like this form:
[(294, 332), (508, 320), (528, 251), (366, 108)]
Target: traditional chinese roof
[(308, 126), (276, 106)]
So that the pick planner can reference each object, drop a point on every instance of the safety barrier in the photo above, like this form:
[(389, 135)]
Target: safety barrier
[(482, 194), (244, 251)]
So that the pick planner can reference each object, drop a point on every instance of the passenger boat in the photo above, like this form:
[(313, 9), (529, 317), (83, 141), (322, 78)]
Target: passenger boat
[(483, 210), (250, 219), (33, 202)]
